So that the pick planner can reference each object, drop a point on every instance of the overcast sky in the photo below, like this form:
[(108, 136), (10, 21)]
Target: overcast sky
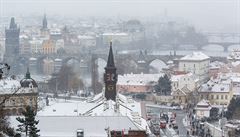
[(217, 14)]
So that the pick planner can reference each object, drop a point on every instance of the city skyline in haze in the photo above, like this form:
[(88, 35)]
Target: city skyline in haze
[(206, 15)]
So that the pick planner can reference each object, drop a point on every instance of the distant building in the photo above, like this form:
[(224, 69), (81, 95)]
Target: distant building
[(117, 38), (44, 29), (137, 83), (48, 66), (85, 41), (187, 80), (234, 56), (36, 46), (48, 47), (18, 95), (99, 116), (12, 42), (55, 34), (219, 91), (203, 109), (181, 96), (196, 63)]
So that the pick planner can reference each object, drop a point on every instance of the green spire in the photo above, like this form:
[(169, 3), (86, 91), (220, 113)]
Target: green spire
[(28, 75)]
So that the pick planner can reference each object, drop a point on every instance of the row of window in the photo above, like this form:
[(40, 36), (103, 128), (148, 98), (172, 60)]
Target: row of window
[(215, 97)]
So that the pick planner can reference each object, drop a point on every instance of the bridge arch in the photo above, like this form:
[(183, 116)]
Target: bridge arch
[(156, 65), (232, 47), (213, 47)]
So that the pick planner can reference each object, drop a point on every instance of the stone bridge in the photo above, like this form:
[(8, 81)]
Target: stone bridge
[(224, 40)]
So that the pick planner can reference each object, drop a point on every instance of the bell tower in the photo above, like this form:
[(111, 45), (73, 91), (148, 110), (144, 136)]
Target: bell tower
[(110, 77)]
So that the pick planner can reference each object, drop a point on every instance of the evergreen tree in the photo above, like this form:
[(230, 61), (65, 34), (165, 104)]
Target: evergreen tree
[(233, 110), (28, 123), (163, 86)]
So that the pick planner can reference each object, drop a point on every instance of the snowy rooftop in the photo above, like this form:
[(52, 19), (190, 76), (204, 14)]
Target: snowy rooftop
[(195, 56), (138, 79), (115, 34), (216, 64), (203, 103), (93, 126), (85, 37), (235, 55), (235, 63), (178, 77), (9, 86), (97, 106), (215, 87)]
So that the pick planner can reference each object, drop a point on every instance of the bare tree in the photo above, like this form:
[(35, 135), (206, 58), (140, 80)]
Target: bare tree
[(4, 125)]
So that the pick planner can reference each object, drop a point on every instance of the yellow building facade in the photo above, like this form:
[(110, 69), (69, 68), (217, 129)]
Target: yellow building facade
[(48, 47)]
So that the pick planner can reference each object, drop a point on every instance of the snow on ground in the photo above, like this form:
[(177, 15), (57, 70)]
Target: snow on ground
[(96, 106)]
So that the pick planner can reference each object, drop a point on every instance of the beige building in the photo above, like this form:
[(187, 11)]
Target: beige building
[(196, 63), (137, 82), (18, 95), (184, 80), (203, 109), (182, 96), (217, 92), (48, 47)]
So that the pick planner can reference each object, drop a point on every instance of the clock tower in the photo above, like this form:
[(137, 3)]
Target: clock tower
[(110, 77)]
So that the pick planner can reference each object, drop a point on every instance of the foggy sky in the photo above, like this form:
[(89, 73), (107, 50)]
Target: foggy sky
[(207, 14)]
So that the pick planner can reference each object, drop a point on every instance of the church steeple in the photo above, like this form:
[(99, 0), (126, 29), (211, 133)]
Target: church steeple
[(110, 62), (110, 77), (44, 22)]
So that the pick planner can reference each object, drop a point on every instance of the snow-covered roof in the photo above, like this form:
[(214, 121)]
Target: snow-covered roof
[(220, 87), (115, 34), (32, 59), (178, 77), (203, 103), (235, 63), (85, 37), (235, 55), (195, 56), (93, 126), (9, 86), (138, 79), (98, 106), (57, 59), (216, 64), (222, 83)]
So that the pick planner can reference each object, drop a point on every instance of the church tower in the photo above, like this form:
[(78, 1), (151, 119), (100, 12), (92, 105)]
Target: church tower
[(12, 40), (44, 29), (110, 77)]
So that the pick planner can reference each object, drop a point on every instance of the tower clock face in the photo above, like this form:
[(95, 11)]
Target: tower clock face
[(110, 87), (110, 77)]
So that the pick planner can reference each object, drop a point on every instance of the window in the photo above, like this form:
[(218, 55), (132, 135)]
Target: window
[(217, 96), (184, 65), (221, 96), (194, 65), (212, 96), (226, 96)]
